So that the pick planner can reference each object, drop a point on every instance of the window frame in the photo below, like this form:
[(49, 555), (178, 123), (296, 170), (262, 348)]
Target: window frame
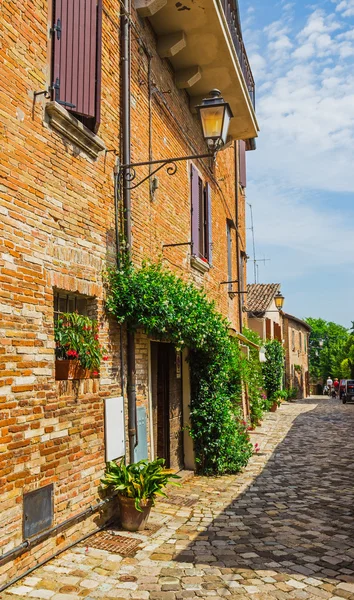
[(202, 249), (90, 122)]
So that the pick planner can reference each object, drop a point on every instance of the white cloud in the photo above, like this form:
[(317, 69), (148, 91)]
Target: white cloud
[(346, 7), (303, 169)]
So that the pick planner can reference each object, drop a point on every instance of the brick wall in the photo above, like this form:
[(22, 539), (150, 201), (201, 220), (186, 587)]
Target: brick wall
[(297, 358), (57, 232)]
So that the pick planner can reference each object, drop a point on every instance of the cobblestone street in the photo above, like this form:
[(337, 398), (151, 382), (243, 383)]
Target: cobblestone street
[(283, 529)]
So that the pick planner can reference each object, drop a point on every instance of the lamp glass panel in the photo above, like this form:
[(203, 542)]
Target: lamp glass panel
[(226, 124), (212, 121), (279, 301)]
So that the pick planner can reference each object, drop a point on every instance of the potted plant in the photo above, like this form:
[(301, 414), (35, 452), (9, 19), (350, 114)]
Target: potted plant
[(275, 405), (77, 349), (137, 485)]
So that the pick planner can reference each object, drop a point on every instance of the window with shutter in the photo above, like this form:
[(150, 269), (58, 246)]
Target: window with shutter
[(242, 163), (201, 217), (229, 254), (209, 247), (77, 58)]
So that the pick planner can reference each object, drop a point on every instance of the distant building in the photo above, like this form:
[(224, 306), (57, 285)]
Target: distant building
[(296, 345), (263, 315)]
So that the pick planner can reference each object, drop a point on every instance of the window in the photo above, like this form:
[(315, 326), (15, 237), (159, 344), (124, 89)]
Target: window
[(293, 339), (300, 341), (201, 217), (76, 65), (242, 163), (305, 343), (68, 303), (229, 227)]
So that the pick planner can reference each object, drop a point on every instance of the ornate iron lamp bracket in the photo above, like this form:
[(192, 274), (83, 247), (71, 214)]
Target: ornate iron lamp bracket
[(127, 173)]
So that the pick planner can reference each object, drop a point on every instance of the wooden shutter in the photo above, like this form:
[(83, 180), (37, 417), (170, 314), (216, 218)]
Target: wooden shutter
[(77, 55), (268, 329), (209, 247), (242, 155), (195, 210), (229, 255)]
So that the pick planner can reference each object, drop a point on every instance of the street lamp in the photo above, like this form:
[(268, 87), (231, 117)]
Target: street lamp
[(215, 115), (279, 300)]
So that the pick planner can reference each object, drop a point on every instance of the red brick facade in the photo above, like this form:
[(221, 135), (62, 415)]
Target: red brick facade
[(57, 224), (296, 336)]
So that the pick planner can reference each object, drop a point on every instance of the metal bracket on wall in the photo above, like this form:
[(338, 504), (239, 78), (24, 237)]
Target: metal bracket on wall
[(127, 173)]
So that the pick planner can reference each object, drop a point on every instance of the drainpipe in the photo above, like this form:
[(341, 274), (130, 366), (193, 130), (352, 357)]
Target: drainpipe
[(237, 198), (126, 159)]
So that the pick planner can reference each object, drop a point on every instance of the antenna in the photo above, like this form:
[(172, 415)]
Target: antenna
[(260, 260), (253, 244)]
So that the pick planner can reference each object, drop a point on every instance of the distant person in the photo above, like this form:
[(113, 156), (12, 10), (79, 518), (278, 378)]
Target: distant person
[(329, 384), (336, 387)]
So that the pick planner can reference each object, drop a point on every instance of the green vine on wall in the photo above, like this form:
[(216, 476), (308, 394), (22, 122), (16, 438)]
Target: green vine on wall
[(253, 379), (273, 369), (168, 308)]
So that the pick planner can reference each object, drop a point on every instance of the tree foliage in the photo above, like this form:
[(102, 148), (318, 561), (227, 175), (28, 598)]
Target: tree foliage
[(330, 350)]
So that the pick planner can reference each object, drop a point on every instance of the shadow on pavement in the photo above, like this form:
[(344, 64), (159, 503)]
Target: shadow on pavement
[(297, 516)]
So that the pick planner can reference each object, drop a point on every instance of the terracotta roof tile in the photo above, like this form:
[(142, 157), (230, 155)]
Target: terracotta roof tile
[(260, 296)]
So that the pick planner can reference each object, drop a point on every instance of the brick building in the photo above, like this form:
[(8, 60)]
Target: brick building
[(296, 345), (61, 90), (263, 316)]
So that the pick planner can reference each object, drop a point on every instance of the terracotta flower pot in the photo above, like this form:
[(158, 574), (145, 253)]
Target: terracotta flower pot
[(274, 407), (130, 518), (71, 369)]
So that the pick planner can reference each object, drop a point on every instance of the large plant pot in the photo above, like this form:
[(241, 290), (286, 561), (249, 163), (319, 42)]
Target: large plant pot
[(71, 369), (274, 407), (130, 518)]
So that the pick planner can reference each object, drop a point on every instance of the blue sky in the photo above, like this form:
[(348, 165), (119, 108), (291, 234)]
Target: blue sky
[(301, 178)]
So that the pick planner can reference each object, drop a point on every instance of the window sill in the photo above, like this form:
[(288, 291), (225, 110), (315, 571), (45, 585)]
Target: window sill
[(199, 264), (61, 120)]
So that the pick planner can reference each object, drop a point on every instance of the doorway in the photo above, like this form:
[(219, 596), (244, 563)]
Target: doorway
[(166, 395)]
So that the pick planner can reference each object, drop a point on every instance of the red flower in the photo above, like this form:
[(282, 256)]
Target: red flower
[(95, 373), (72, 353), (105, 357), (96, 336)]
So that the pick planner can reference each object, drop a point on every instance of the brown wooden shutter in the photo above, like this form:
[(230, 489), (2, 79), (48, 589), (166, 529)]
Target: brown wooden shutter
[(268, 329), (195, 210), (243, 174), (209, 247), (77, 55)]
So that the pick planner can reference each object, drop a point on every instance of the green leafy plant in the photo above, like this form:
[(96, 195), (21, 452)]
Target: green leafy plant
[(142, 481), (253, 378), (76, 337), (298, 368), (292, 393), (273, 369), (168, 308), (283, 395)]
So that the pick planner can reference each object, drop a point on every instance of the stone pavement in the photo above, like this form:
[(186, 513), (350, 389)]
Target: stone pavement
[(283, 529)]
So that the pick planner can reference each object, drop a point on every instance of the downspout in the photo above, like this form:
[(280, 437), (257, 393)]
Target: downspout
[(237, 216), (126, 159)]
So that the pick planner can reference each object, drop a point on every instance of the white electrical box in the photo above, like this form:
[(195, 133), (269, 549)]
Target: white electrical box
[(114, 428)]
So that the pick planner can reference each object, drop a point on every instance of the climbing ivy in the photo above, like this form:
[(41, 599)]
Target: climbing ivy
[(273, 368), (253, 378), (168, 308)]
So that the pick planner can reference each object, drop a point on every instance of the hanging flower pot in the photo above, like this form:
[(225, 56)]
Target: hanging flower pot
[(78, 351), (71, 369)]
